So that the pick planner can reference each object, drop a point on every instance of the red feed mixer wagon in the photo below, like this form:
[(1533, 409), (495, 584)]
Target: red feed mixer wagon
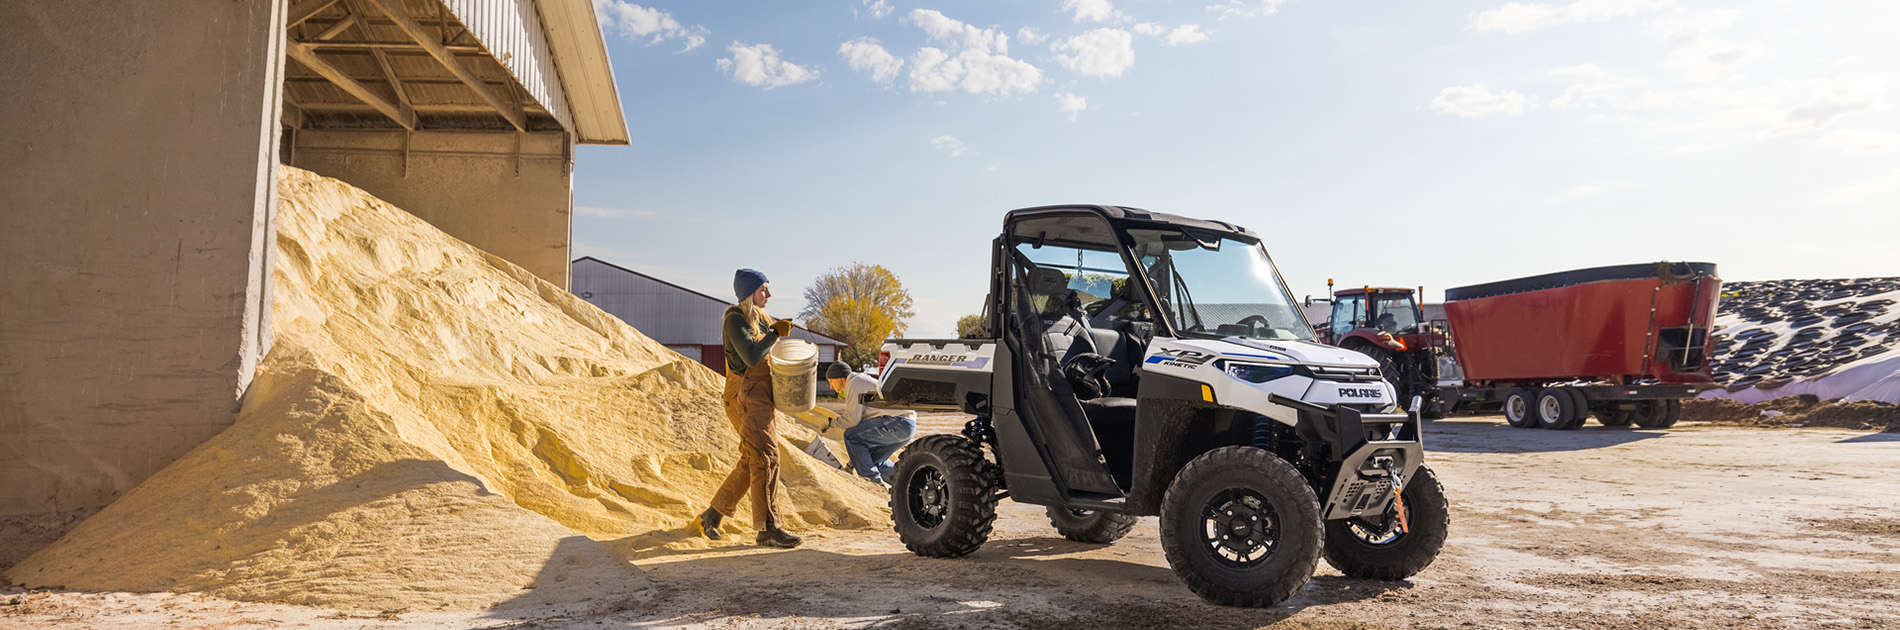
[(1626, 343)]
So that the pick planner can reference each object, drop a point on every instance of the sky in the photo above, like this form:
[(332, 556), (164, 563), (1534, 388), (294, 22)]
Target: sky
[(1433, 143)]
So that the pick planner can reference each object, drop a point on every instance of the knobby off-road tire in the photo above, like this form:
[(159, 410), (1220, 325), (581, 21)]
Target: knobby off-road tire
[(1657, 414), (1090, 526), (943, 497), (1241, 527), (1388, 369), (1362, 550), (1520, 408)]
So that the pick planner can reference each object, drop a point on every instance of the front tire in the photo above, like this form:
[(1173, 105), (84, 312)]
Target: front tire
[(1241, 527), (1090, 526), (1363, 549), (943, 497)]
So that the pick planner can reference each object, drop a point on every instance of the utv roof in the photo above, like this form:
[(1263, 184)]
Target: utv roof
[(1124, 216)]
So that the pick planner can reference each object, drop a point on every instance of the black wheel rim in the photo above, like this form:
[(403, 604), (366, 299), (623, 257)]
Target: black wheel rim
[(929, 498), (1239, 528)]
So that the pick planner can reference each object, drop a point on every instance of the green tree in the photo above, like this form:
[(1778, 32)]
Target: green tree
[(859, 304)]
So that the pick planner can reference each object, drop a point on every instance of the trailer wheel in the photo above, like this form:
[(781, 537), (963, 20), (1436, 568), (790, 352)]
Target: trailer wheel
[(1518, 408), (1090, 526), (1241, 527), (1614, 418), (1362, 548), (943, 497), (1583, 405), (1657, 414), (1557, 410)]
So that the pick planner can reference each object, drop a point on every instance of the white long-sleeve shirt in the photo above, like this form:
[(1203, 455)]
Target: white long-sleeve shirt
[(858, 388)]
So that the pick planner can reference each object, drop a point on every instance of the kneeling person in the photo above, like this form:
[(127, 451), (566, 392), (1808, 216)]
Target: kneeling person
[(871, 436)]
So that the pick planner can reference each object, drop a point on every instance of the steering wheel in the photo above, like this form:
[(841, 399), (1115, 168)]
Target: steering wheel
[(1256, 321)]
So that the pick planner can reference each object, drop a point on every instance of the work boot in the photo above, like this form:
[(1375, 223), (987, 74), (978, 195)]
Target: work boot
[(708, 523), (772, 536)]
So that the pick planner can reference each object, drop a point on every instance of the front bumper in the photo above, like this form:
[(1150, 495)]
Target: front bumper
[(1369, 446)]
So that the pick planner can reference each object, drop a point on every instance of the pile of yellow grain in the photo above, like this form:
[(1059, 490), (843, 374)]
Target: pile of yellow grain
[(434, 428)]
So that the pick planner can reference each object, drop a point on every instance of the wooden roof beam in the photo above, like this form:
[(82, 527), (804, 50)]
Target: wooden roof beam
[(415, 30), (403, 114), (307, 10)]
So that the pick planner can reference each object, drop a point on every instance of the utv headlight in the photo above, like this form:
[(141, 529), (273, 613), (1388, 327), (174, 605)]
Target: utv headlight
[(1257, 373)]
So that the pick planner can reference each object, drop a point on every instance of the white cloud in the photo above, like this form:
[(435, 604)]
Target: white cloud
[(1097, 53), (1519, 17), (878, 9), (951, 144), (1478, 100), (1861, 141), (962, 36), (760, 65), (1830, 100), (1071, 104), (1863, 190), (1245, 8), (864, 54), (977, 61), (1150, 29), (1091, 10), (1190, 34), (1031, 36), (636, 22)]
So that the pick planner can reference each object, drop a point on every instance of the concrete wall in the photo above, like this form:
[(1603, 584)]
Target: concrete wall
[(470, 184), (137, 143)]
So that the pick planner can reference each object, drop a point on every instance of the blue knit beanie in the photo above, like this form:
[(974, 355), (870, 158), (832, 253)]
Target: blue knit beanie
[(746, 281)]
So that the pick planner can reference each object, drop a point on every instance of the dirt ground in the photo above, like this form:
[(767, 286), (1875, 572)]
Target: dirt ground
[(1699, 526)]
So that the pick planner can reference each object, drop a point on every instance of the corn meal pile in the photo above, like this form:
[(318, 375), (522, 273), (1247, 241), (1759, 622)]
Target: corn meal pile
[(434, 428)]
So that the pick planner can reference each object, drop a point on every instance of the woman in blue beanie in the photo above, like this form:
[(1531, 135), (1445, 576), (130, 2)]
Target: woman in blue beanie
[(749, 334)]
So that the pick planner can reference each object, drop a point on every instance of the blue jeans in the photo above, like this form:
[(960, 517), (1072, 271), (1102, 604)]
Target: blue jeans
[(872, 442)]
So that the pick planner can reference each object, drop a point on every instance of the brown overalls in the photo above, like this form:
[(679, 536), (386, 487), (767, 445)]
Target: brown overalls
[(748, 401)]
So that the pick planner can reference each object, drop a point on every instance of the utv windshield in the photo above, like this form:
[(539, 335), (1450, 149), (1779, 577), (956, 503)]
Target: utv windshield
[(1211, 286)]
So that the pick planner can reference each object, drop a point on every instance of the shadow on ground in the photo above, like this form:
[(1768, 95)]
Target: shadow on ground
[(1491, 435), (1039, 583)]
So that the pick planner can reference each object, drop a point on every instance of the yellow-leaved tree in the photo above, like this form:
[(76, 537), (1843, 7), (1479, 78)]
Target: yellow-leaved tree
[(859, 304)]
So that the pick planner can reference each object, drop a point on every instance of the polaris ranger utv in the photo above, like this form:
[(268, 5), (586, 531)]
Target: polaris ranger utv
[(1151, 364)]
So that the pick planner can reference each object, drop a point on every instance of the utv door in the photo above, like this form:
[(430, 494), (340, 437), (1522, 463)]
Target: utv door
[(1066, 466)]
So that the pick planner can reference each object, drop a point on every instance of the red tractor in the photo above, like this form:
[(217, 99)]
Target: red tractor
[(1388, 325)]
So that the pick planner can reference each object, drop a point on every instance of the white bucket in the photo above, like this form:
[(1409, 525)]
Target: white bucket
[(794, 375)]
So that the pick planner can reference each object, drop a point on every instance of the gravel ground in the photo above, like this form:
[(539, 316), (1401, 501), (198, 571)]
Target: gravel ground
[(1697, 526)]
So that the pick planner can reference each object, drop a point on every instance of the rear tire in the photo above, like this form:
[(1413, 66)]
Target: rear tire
[(1613, 418), (1518, 406), (1388, 369), (1241, 527), (1657, 414), (943, 497), (1362, 550), (1090, 526), (1557, 410)]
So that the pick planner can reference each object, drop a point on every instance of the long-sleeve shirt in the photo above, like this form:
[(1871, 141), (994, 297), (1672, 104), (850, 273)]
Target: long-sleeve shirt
[(743, 350), (858, 388)]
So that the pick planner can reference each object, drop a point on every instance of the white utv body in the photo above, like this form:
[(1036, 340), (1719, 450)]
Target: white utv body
[(1149, 364)]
